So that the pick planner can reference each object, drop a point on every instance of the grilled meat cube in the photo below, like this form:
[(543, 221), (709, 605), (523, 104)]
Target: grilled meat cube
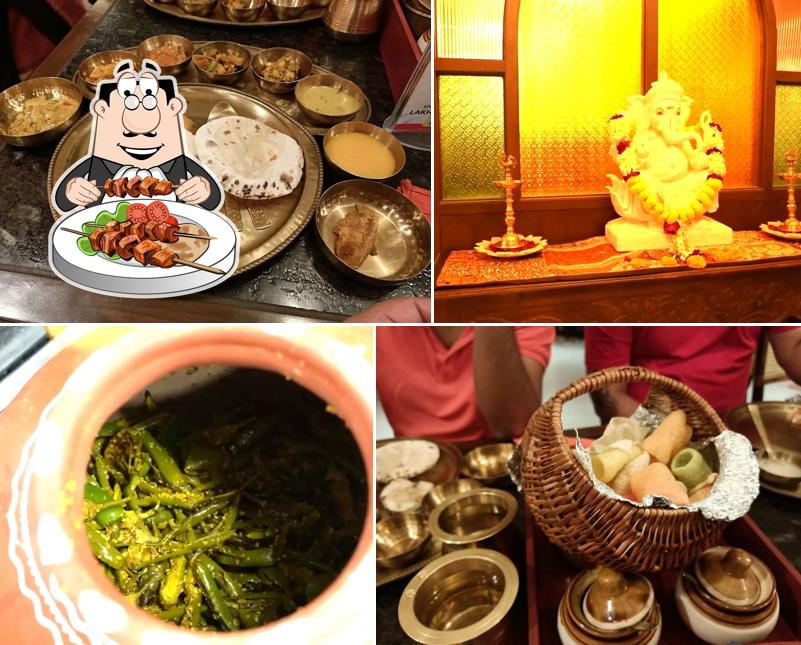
[(112, 226), (166, 232), (125, 227), (163, 187), (109, 243), (133, 186), (145, 250), (150, 230), (165, 258), (119, 186), (125, 247), (138, 229), (96, 238), (108, 187), (145, 187), (354, 236)]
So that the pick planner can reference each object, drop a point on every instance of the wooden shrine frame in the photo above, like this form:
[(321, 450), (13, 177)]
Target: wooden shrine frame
[(458, 224)]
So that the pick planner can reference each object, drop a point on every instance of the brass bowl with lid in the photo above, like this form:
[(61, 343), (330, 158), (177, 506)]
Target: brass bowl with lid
[(462, 597)]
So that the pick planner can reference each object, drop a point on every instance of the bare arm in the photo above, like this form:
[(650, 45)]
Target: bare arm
[(613, 401), (508, 386), (787, 348)]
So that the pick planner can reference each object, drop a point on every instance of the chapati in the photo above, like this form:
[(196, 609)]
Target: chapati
[(401, 495), (251, 159), (405, 459)]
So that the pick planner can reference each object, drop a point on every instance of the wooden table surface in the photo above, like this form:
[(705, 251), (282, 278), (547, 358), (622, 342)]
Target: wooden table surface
[(766, 291), (299, 284)]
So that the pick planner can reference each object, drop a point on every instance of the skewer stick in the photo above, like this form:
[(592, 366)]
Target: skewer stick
[(177, 260), (179, 234)]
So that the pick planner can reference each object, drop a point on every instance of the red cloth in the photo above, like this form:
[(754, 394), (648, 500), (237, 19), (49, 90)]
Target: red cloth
[(427, 390), (30, 47), (420, 196), (713, 361)]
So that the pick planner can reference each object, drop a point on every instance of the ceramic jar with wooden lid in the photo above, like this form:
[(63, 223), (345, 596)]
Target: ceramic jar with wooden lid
[(605, 605), (728, 595)]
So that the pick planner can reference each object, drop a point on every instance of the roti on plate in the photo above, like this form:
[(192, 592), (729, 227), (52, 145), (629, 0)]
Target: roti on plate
[(405, 459)]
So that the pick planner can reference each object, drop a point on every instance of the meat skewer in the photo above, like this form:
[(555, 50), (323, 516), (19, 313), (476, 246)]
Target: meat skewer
[(162, 235), (146, 252), (136, 186)]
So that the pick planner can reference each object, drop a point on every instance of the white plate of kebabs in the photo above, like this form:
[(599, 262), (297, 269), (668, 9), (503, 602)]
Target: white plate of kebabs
[(144, 248)]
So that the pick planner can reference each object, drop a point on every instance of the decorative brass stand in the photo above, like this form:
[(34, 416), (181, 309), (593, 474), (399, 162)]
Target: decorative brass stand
[(789, 229), (510, 241), (791, 224), (511, 244)]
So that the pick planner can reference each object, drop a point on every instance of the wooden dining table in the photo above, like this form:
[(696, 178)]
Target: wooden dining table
[(297, 285)]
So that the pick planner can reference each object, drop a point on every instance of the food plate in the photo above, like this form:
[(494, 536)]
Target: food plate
[(446, 468), (432, 551), (217, 17), (249, 85), (118, 277), (766, 228), (265, 227)]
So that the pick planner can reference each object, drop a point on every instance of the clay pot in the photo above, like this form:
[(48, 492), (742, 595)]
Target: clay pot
[(55, 578)]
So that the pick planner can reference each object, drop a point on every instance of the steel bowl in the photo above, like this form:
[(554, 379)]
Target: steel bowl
[(197, 7), (403, 239), (12, 102), (446, 490), (488, 464), (273, 54), (400, 539), (288, 9), (462, 597), (222, 46), (776, 479), (476, 518), (149, 45), (379, 134), (330, 80), (94, 61), (248, 13)]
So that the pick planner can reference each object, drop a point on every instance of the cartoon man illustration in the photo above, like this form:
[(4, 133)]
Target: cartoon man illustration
[(137, 133)]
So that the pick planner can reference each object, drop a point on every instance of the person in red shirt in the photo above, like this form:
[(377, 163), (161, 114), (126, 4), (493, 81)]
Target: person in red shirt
[(713, 361), (461, 383)]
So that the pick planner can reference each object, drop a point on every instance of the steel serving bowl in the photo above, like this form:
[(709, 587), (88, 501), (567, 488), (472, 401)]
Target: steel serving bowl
[(462, 597), (289, 9), (113, 56), (379, 134), (481, 517), (776, 479), (330, 80), (12, 103), (149, 45), (225, 47), (402, 247), (488, 464), (246, 13), (400, 538), (271, 55), (197, 7), (446, 490)]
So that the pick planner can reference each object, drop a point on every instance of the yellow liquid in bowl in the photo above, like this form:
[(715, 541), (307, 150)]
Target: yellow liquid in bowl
[(361, 155), (329, 101)]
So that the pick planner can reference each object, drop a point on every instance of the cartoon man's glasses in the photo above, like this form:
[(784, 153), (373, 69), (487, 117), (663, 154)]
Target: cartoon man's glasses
[(148, 86), (132, 101)]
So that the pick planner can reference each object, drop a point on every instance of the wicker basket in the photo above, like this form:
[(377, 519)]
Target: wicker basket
[(598, 529)]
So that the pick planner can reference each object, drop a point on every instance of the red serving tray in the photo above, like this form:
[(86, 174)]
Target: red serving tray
[(547, 575)]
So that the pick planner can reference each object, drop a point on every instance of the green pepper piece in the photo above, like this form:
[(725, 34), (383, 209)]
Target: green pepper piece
[(103, 549), (203, 571), (120, 212), (263, 557), (173, 583), (85, 246), (194, 597), (152, 554), (94, 493), (164, 461), (173, 614), (109, 515)]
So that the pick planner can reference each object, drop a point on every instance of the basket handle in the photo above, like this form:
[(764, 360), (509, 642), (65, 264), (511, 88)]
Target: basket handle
[(662, 388)]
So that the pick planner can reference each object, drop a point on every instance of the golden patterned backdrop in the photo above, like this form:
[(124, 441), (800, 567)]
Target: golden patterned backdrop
[(788, 21), (470, 29), (713, 48), (788, 126), (578, 61), (471, 135)]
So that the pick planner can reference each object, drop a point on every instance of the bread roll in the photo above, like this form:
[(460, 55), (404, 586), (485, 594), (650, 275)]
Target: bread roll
[(656, 479), (672, 435)]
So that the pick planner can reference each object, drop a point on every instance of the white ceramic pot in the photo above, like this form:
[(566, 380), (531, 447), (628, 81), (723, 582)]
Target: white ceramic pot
[(713, 631)]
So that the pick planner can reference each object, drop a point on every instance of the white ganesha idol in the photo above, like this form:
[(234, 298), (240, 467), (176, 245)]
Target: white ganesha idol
[(671, 173)]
